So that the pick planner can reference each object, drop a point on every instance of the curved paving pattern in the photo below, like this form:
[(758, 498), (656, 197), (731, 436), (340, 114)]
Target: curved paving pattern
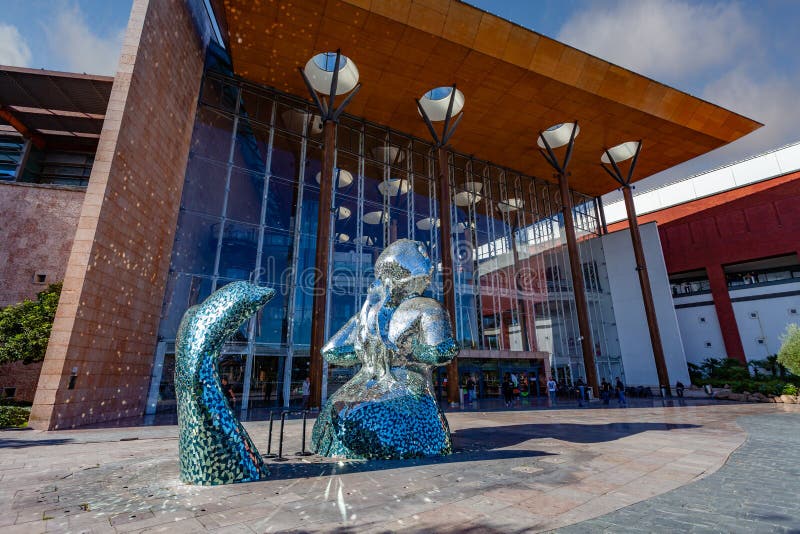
[(512, 471), (757, 490)]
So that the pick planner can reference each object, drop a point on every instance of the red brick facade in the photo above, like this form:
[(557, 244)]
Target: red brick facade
[(751, 222), (107, 319), (39, 223), (21, 378)]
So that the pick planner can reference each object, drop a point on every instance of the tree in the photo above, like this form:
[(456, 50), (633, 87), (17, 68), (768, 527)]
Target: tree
[(25, 327), (789, 355)]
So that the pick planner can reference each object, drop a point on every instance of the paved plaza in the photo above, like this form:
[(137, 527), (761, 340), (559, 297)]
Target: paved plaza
[(654, 468)]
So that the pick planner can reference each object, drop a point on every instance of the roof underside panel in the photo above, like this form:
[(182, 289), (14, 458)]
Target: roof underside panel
[(56, 105), (516, 82)]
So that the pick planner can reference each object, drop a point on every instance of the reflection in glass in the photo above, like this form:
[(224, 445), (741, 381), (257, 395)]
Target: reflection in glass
[(512, 278)]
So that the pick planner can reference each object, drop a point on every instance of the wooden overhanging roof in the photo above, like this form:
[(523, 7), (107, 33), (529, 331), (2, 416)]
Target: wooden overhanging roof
[(516, 82), (60, 109)]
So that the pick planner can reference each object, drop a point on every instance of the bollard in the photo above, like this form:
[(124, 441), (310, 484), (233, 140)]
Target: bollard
[(303, 451), (280, 457), (269, 454)]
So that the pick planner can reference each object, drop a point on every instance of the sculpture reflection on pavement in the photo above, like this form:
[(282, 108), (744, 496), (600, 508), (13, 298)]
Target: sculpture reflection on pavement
[(213, 447), (388, 409)]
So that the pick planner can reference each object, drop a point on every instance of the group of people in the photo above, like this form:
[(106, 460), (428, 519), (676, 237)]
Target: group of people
[(618, 389), (305, 389), (606, 390), (514, 386)]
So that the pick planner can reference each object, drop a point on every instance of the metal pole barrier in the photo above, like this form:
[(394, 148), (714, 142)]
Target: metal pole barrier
[(280, 457), (303, 451), (269, 454)]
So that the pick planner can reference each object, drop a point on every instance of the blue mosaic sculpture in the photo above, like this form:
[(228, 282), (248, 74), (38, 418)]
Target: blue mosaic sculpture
[(388, 409), (213, 446)]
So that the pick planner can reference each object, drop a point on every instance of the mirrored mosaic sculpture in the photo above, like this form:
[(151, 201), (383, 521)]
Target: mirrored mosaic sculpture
[(388, 409), (213, 446)]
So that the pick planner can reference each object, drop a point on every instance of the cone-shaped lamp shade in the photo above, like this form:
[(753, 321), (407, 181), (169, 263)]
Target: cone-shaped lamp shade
[(436, 101), (621, 152), (558, 135), (319, 71)]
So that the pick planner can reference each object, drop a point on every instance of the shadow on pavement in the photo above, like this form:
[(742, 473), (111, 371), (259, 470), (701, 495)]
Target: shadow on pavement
[(506, 436), (25, 443)]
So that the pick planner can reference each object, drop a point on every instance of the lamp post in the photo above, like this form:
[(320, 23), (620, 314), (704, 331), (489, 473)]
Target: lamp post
[(555, 137), (610, 161), (444, 104), (329, 74)]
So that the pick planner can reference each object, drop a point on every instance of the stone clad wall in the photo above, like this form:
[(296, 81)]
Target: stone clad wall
[(20, 377), (39, 223), (107, 319)]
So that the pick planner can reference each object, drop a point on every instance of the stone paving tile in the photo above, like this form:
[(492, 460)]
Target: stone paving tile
[(756, 490), (515, 471)]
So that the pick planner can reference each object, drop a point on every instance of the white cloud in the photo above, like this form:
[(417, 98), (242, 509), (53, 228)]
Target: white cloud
[(771, 100), (665, 39), (79, 47), (14, 50)]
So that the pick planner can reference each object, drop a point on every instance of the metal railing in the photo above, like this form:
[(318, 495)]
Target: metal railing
[(280, 457)]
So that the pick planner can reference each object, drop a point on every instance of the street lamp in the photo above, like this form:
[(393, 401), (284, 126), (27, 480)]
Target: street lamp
[(444, 104), (549, 140), (326, 75), (610, 161)]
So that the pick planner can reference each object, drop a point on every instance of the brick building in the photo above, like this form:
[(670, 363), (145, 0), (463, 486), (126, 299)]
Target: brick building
[(731, 240), (50, 123)]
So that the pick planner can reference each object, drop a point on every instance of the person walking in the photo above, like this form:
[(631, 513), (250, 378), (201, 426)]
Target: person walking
[(306, 393), (470, 388), (620, 388), (508, 390), (227, 389), (581, 387), (605, 392), (679, 387), (551, 390)]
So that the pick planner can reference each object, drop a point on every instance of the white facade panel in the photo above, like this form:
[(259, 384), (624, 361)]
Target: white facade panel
[(675, 193), (788, 159), (714, 182), (700, 332), (763, 321), (634, 337), (754, 170)]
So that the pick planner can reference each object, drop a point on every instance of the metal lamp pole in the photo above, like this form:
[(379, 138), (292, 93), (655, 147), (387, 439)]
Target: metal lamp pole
[(581, 305), (330, 116), (612, 157), (448, 280)]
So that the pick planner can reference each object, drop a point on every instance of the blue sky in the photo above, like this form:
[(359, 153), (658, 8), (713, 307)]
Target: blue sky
[(739, 54)]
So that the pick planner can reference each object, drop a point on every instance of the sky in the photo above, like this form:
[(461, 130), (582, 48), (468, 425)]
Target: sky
[(741, 55)]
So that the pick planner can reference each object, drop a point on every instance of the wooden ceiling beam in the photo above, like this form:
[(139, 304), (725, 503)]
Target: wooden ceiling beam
[(10, 117)]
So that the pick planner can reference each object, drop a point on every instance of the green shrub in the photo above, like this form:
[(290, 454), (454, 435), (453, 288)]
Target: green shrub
[(25, 327), (789, 389), (789, 355), (770, 364), (696, 374), (14, 416), (716, 369)]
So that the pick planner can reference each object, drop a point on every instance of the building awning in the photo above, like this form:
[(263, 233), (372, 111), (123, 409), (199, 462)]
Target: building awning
[(58, 109), (516, 82)]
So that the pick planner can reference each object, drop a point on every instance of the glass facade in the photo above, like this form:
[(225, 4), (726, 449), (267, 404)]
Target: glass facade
[(249, 212), (20, 161)]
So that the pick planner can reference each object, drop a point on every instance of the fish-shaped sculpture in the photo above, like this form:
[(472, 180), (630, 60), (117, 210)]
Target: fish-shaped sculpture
[(388, 409), (213, 446)]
